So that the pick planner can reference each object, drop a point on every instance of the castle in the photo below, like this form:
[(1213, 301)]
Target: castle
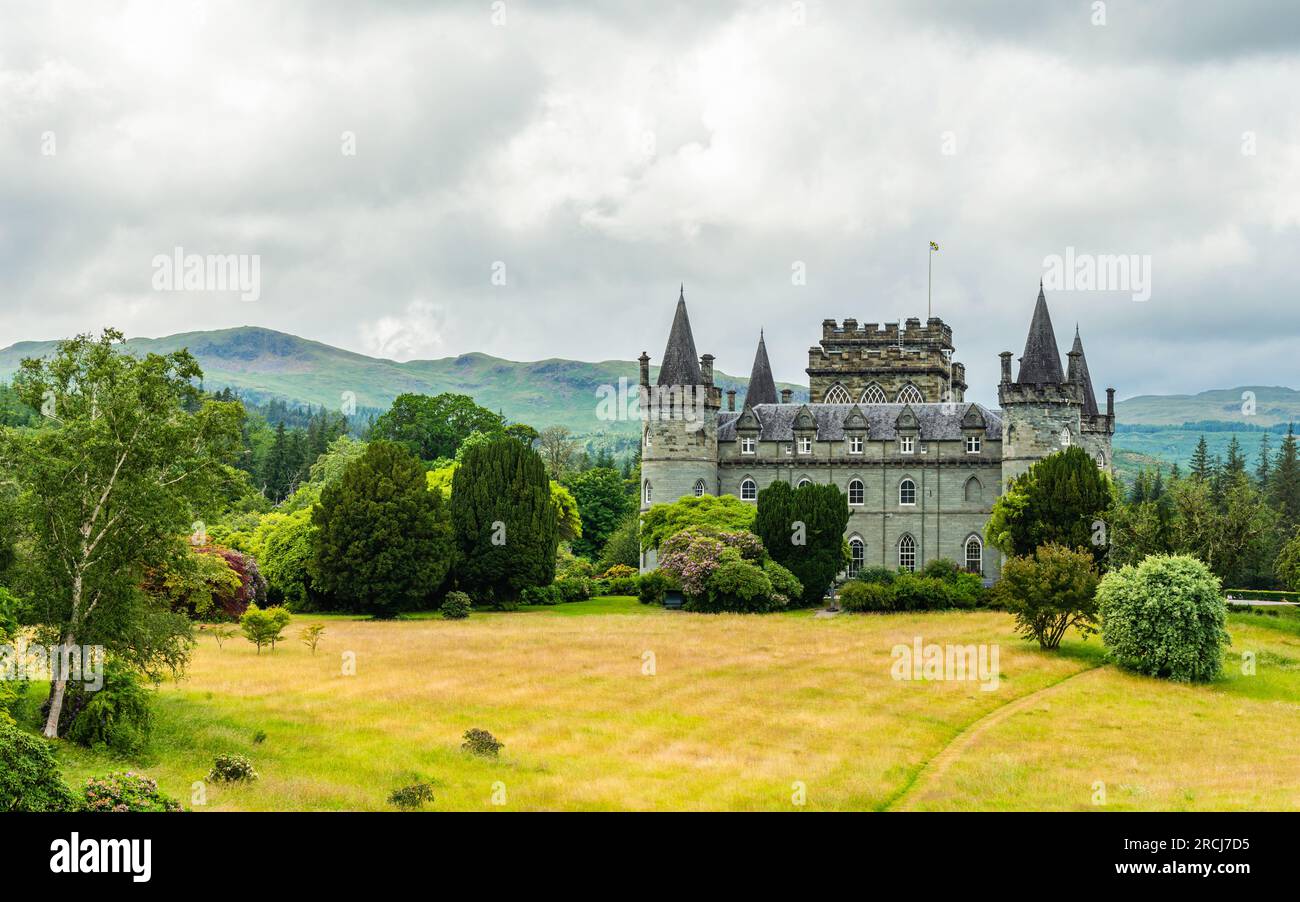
[(886, 422)]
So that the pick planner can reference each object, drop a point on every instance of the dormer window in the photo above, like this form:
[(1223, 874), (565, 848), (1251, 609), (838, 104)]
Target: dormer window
[(972, 444), (906, 444), (747, 444), (805, 445), (855, 444)]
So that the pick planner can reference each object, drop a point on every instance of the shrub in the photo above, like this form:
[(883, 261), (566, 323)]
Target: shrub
[(942, 568), (860, 597), (653, 586), (409, 798), (481, 743), (786, 587), (621, 585), (1049, 592), (967, 590), (126, 791), (573, 588), (1165, 617), (455, 606), (619, 571), (117, 716), (311, 635), (920, 593), (231, 769), (736, 585), (29, 776), (541, 595), (691, 556), (882, 575)]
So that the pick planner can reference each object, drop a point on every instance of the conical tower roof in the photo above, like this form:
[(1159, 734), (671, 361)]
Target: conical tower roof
[(680, 364), (762, 387), (1089, 397), (1041, 361)]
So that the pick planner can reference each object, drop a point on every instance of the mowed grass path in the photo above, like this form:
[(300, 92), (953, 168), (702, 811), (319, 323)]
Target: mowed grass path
[(739, 709)]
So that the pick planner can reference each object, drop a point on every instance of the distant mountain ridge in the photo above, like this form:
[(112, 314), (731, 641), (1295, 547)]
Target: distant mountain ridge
[(263, 365)]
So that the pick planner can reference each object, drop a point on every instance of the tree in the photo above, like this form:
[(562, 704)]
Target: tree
[(434, 427), (504, 517), (132, 459), (803, 530), (1062, 499), (557, 449), (1264, 466), (383, 541), (1050, 591), (264, 627), (277, 475), (1284, 485), (624, 544), (1236, 462), (721, 513), (284, 544), (1201, 466), (602, 504)]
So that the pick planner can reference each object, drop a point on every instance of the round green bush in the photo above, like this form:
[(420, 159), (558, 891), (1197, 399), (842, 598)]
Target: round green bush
[(785, 585), (860, 597), (29, 776), (920, 593), (736, 586), (117, 716), (882, 575), (126, 791), (456, 606), (1165, 617), (653, 586), (231, 769), (941, 568)]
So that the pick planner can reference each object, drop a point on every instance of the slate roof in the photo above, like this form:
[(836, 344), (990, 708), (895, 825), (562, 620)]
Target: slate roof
[(1041, 361), (1089, 398), (937, 421), (680, 364), (762, 387)]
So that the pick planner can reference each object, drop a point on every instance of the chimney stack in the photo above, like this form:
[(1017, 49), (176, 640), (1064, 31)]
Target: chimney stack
[(706, 369), (785, 395), (1006, 367), (645, 369), (1110, 404), (731, 399)]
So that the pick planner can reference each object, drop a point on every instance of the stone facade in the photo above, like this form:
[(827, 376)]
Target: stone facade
[(921, 474), (875, 364)]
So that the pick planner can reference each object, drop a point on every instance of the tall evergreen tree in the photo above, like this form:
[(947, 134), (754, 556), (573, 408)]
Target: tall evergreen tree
[(1284, 488), (1202, 468), (1236, 462), (276, 474), (504, 518), (383, 542), (1264, 467), (803, 531)]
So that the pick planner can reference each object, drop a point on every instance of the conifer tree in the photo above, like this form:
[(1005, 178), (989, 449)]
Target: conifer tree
[(1284, 485), (275, 477), (505, 521), (1236, 462), (1201, 467), (803, 530), (1264, 468)]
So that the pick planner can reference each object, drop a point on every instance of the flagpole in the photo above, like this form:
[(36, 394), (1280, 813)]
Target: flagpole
[(929, 279)]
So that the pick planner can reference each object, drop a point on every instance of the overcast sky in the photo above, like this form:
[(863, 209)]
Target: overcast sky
[(605, 157)]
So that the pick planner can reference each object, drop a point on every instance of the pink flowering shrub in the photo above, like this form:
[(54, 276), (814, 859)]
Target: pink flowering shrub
[(693, 556), (126, 791)]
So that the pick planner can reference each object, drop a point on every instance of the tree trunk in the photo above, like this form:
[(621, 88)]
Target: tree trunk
[(57, 688)]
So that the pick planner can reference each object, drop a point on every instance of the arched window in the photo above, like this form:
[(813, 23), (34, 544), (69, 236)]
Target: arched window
[(974, 491), (907, 492), (699, 488), (1066, 437), (1101, 461), (837, 394), (646, 494), (874, 394), (857, 555), (803, 482), (910, 395), (974, 555), (907, 553), (855, 491), (748, 490)]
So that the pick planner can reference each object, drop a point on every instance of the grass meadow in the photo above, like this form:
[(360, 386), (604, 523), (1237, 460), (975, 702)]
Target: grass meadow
[(739, 713)]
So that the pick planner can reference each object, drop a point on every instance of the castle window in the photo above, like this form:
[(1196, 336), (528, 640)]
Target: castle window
[(857, 555), (907, 492), (747, 445), (699, 488), (837, 394), (803, 482), (855, 491), (805, 445), (646, 494), (910, 395), (972, 444), (647, 437), (974, 555), (973, 490), (855, 444), (906, 444), (1066, 437), (907, 553), (748, 490), (1101, 461), (874, 394)]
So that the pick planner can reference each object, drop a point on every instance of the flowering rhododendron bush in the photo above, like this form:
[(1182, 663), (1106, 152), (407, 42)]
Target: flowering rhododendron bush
[(126, 791), (693, 556)]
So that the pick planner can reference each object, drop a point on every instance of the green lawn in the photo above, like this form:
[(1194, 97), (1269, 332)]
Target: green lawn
[(739, 712)]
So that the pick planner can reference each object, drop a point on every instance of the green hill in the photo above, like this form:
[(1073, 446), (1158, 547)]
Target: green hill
[(1273, 404), (263, 364)]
